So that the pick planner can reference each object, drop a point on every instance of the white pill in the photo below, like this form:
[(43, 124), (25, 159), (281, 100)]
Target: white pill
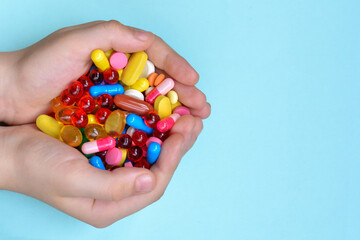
[(147, 91), (134, 94), (148, 69)]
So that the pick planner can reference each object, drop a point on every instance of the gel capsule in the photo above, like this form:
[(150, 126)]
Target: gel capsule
[(100, 60), (162, 89), (64, 114), (98, 145), (139, 138), (160, 135), (111, 76), (137, 122), (134, 68), (76, 89), (125, 141), (142, 164), (49, 125), (105, 101), (96, 162), (115, 123), (102, 114), (86, 103), (132, 105), (95, 131), (79, 118), (71, 135), (85, 81), (167, 123), (56, 104), (112, 90), (66, 98), (151, 119), (135, 153), (96, 77), (153, 152)]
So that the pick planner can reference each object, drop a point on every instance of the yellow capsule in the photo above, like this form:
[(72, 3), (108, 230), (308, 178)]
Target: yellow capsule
[(115, 123), (173, 96), (175, 105), (94, 131), (71, 135), (100, 60), (108, 53), (141, 85), (123, 157), (134, 68), (120, 72), (162, 106), (49, 125)]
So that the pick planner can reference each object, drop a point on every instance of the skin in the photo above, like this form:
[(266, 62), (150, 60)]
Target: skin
[(42, 167)]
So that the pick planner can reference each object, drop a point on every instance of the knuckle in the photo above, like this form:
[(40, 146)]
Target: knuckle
[(112, 25)]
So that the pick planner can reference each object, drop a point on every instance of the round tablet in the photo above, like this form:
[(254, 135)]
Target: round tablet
[(118, 60), (134, 94)]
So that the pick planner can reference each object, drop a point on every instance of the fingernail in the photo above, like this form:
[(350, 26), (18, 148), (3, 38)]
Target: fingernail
[(141, 34), (144, 183)]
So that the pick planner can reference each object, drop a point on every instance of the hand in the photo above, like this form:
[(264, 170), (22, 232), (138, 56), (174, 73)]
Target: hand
[(40, 72)]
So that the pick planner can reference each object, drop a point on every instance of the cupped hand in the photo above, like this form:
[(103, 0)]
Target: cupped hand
[(41, 71)]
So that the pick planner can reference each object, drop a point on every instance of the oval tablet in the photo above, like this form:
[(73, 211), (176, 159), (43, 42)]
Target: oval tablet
[(134, 94), (134, 68), (132, 105), (163, 106)]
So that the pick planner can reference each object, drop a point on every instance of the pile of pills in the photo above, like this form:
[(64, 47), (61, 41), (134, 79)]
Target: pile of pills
[(117, 114)]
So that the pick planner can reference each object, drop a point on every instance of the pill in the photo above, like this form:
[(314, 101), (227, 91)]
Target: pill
[(96, 76), (134, 94), (120, 72), (92, 119), (147, 91), (98, 145), (132, 105), (162, 89), (141, 85), (153, 152), (86, 103), (134, 68), (153, 139), (139, 138), (95, 131), (181, 110), (151, 78), (49, 125), (56, 104), (76, 89), (96, 162), (71, 135), (175, 105), (123, 156), (64, 114), (130, 131), (115, 123), (111, 76), (86, 82), (118, 60), (128, 164), (151, 119), (113, 156), (135, 153), (167, 123), (148, 69), (112, 90), (125, 141), (100, 60), (172, 95), (162, 106), (79, 118), (159, 79), (137, 122)]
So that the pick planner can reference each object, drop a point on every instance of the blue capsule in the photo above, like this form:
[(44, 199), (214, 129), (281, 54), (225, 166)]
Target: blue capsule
[(137, 122), (153, 152), (96, 162), (113, 90)]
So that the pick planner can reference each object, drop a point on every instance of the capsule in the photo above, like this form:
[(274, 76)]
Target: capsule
[(167, 123), (153, 139), (134, 68), (132, 105), (112, 90), (141, 85), (162, 89), (153, 152), (96, 162), (71, 135), (98, 145), (100, 60), (49, 125), (137, 122), (94, 131), (181, 110), (56, 104), (115, 123), (64, 114)]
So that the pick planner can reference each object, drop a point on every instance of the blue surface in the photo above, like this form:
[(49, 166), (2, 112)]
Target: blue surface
[(279, 157)]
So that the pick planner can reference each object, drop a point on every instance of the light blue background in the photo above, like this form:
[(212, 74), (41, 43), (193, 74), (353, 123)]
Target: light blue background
[(278, 158)]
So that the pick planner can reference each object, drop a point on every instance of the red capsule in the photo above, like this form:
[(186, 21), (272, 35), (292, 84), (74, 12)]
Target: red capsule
[(85, 81), (76, 89), (142, 164), (101, 154), (151, 119), (79, 118), (161, 135), (96, 77), (105, 100), (66, 98), (111, 76), (86, 103), (125, 141), (102, 114), (139, 138), (135, 153)]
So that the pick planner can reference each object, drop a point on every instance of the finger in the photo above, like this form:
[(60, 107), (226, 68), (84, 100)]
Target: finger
[(203, 112), (190, 96), (165, 58), (83, 180)]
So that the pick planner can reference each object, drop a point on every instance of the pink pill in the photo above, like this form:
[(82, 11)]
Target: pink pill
[(167, 123), (153, 139), (128, 164), (113, 156), (118, 60), (98, 145), (181, 110), (163, 88)]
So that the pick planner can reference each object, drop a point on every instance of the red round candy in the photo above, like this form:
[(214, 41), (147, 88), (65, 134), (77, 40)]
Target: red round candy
[(142, 164), (102, 114), (101, 154), (66, 98), (135, 153), (85, 81), (96, 77), (76, 89), (105, 100), (111, 76), (79, 118), (87, 103), (125, 141), (151, 119), (139, 138), (160, 135)]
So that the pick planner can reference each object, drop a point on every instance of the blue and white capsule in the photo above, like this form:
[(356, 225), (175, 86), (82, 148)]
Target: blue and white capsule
[(112, 90)]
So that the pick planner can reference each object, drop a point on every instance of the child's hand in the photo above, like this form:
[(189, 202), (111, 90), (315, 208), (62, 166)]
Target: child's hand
[(40, 72), (40, 166)]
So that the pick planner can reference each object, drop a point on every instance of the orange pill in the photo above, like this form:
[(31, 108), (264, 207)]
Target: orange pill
[(159, 79), (151, 78)]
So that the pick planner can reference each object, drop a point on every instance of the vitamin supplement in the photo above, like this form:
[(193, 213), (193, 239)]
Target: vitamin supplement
[(118, 60), (160, 135), (132, 105), (151, 119), (76, 89), (134, 94), (167, 123), (125, 141), (163, 106), (96, 162), (105, 100), (147, 91), (142, 164), (96, 77), (153, 139), (139, 138), (148, 69), (151, 78), (159, 79), (135, 153), (66, 98), (137, 122), (153, 152), (85, 81), (92, 119), (113, 156), (181, 110), (71, 135), (134, 68), (141, 85), (100, 60), (172, 95), (102, 114), (123, 156), (98, 145), (86, 103), (64, 114), (115, 123), (112, 90), (79, 118), (49, 125), (162, 89), (128, 164), (111, 76), (95, 131), (130, 131), (56, 104), (102, 154)]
